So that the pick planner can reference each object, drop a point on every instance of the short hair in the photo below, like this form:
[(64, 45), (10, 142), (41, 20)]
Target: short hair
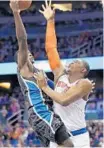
[(87, 66)]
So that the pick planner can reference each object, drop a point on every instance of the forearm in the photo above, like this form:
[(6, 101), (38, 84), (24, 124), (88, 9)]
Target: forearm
[(20, 29), (51, 45), (22, 40), (51, 40), (64, 98)]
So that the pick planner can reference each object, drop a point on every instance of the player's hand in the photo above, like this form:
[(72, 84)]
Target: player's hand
[(93, 86), (41, 79), (14, 5), (47, 11)]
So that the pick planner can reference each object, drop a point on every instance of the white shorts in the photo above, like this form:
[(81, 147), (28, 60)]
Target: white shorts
[(79, 141)]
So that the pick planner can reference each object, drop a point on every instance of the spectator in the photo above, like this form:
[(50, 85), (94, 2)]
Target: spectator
[(100, 111), (15, 107)]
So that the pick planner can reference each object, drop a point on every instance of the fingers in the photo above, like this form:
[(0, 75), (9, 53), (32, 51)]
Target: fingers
[(14, 5), (93, 83), (46, 3), (10, 4), (41, 11), (43, 7), (50, 3), (14, 2), (54, 9), (42, 72), (17, 4), (39, 75), (35, 76), (93, 86)]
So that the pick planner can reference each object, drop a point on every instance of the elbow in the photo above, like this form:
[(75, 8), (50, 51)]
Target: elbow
[(51, 47), (22, 38), (64, 102), (59, 100)]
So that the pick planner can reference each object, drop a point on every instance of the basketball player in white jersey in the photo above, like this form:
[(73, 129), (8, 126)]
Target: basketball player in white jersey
[(72, 88)]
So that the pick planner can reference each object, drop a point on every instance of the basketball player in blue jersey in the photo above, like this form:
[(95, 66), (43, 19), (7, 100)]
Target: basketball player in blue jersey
[(45, 123)]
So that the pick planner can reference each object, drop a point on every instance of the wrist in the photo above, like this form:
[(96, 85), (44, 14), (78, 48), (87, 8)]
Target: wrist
[(50, 19), (16, 11), (44, 87)]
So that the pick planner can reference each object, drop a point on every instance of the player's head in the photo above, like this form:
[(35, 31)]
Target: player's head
[(30, 57), (78, 67)]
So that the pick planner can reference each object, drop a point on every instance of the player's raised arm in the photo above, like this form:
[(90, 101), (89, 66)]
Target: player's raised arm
[(20, 34), (51, 41)]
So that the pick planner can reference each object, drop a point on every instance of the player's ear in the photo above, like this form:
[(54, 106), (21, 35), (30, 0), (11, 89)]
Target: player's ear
[(84, 71)]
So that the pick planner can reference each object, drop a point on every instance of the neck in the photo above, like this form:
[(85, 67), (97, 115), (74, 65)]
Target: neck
[(73, 78)]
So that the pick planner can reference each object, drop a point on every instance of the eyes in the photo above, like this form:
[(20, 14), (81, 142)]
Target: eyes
[(30, 55), (76, 61)]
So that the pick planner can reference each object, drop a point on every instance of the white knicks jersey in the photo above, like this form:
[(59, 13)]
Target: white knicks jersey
[(72, 115)]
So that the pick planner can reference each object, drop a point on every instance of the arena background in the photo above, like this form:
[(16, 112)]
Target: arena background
[(79, 35)]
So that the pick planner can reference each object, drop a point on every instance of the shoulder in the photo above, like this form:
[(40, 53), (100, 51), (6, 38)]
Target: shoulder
[(85, 84), (61, 77)]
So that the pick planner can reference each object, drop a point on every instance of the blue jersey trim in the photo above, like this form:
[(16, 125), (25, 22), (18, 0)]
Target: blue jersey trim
[(78, 132), (36, 98), (50, 83)]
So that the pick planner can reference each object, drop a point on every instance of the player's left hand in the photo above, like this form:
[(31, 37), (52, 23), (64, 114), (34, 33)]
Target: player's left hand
[(47, 11), (93, 86), (41, 79)]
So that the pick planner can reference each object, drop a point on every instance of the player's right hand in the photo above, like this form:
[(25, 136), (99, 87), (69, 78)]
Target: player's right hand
[(41, 79), (14, 5), (47, 11)]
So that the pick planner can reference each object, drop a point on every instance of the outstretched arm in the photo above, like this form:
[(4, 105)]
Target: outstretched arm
[(74, 93), (80, 90), (51, 49), (51, 41), (20, 34)]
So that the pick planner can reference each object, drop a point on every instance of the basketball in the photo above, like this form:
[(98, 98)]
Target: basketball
[(24, 4)]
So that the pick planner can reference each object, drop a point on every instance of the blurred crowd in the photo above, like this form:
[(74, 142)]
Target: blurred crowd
[(95, 129), (94, 107), (84, 7), (66, 46), (15, 132), (20, 135), (67, 43), (12, 104)]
